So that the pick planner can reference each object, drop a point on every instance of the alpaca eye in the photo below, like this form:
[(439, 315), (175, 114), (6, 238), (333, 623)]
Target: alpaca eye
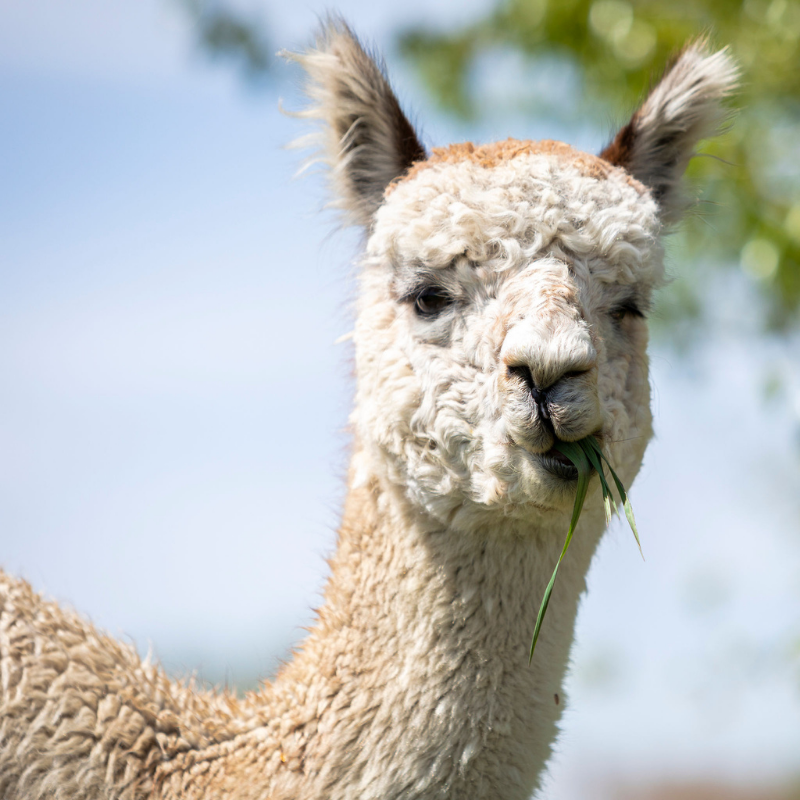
[(629, 309), (430, 302)]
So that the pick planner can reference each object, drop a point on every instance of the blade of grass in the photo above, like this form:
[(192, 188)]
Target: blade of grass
[(588, 447), (575, 454), (586, 455), (626, 503)]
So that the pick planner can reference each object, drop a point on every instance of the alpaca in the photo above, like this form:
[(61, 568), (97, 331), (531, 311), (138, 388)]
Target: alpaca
[(502, 304)]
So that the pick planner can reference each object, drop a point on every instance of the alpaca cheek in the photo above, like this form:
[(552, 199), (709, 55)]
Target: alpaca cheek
[(387, 400), (627, 419), (578, 414)]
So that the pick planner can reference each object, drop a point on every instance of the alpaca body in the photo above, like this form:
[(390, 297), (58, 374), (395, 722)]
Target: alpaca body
[(501, 310), (413, 684)]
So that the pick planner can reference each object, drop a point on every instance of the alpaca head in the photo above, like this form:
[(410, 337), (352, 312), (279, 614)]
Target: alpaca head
[(505, 288)]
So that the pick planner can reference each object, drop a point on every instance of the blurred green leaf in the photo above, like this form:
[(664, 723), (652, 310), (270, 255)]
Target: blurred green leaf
[(223, 33)]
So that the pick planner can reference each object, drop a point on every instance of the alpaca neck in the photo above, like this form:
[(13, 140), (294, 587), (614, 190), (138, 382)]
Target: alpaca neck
[(419, 659)]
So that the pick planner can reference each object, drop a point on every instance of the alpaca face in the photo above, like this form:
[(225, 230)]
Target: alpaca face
[(504, 288), (503, 306)]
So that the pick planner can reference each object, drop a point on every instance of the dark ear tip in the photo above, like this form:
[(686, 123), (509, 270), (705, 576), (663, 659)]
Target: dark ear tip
[(363, 136), (684, 107), (620, 149)]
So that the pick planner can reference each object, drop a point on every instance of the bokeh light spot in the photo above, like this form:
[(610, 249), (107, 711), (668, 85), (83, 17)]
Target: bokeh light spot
[(760, 258), (637, 44), (611, 19)]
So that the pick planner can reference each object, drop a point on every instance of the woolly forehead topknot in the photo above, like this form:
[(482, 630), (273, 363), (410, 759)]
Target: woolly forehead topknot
[(492, 154)]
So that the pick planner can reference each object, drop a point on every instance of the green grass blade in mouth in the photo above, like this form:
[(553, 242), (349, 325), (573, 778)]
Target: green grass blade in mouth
[(589, 445), (586, 455), (575, 454), (626, 503)]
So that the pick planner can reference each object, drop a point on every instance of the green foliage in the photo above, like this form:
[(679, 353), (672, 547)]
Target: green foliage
[(618, 48), (223, 33)]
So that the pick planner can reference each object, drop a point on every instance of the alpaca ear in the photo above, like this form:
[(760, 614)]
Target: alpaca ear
[(364, 137), (684, 107)]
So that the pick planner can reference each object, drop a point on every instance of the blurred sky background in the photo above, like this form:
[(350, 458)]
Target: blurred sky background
[(173, 407)]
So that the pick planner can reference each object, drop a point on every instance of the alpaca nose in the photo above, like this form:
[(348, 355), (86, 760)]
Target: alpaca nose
[(539, 394), (548, 380), (547, 354)]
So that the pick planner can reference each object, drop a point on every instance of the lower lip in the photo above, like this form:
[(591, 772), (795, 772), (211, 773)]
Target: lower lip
[(559, 465)]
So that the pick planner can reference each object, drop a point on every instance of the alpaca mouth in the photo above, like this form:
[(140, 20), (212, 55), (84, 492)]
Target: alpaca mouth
[(551, 460), (558, 464)]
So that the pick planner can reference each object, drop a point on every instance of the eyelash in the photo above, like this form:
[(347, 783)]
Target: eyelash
[(430, 301), (628, 309)]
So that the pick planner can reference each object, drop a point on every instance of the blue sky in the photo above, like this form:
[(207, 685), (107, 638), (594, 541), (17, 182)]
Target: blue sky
[(173, 411)]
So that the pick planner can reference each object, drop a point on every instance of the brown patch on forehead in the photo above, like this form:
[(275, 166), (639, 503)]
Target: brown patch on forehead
[(491, 155)]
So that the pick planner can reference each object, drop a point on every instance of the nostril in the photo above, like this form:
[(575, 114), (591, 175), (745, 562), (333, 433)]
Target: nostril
[(523, 373), (539, 396)]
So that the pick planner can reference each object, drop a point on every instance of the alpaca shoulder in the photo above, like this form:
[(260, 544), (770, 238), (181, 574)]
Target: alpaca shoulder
[(83, 716)]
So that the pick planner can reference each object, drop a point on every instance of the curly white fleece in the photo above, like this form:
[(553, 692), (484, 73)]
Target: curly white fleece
[(536, 254)]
